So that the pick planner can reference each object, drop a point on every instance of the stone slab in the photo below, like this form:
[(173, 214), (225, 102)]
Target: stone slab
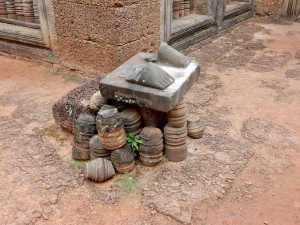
[(114, 86)]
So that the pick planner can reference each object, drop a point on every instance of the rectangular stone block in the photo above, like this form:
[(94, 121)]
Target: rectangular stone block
[(86, 22), (114, 86), (145, 44), (96, 55)]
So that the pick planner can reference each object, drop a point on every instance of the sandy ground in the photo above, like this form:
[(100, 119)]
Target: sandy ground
[(245, 170)]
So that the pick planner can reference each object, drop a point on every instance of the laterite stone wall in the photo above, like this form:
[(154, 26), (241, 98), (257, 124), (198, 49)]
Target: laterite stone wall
[(100, 35), (268, 7)]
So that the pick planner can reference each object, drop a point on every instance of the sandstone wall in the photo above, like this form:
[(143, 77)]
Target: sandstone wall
[(268, 7), (102, 34)]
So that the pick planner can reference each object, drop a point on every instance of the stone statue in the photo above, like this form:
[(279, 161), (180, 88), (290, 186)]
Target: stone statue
[(154, 82), (152, 75)]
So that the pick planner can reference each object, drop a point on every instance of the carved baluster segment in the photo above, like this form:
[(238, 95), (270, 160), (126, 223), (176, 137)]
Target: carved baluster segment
[(3, 12), (175, 9), (187, 7), (11, 10), (181, 8), (19, 10), (28, 11), (36, 12)]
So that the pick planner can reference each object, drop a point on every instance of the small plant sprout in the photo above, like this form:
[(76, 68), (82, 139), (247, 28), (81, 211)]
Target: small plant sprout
[(76, 164), (134, 141)]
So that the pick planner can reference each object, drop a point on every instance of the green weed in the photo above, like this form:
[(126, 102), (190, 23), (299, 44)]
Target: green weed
[(134, 141), (127, 185), (56, 70), (52, 131), (187, 169), (75, 164)]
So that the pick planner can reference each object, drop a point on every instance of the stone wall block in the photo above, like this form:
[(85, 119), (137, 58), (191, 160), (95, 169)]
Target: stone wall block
[(95, 55), (145, 44), (135, 22), (102, 34), (97, 24)]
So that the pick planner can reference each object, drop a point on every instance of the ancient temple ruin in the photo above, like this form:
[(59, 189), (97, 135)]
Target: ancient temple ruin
[(96, 37)]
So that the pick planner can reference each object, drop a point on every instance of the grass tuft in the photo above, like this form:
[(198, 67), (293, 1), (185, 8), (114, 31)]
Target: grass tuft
[(52, 131), (76, 164), (56, 70), (127, 185)]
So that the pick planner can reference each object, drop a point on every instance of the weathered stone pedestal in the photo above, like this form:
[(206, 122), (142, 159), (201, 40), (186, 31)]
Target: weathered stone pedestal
[(114, 86)]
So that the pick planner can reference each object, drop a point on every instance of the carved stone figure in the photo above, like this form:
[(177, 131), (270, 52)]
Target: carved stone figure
[(152, 81), (151, 75), (171, 57)]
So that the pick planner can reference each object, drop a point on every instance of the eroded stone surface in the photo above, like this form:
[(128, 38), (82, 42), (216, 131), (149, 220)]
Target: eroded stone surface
[(114, 86), (101, 35)]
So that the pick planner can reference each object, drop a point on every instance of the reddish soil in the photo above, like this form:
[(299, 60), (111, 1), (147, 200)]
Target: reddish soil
[(245, 170)]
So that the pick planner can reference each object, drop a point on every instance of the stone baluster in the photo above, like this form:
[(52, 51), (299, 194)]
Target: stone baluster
[(175, 9), (187, 7), (11, 10), (181, 8), (28, 11), (36, 12), (3, 12), (19, 10)]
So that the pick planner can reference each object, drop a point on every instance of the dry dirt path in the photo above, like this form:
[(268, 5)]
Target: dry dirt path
[(245, 170)]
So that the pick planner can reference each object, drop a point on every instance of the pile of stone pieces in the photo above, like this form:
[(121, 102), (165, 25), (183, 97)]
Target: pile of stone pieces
[(103, 138), (97, 150), (143, 100), (175, 133)]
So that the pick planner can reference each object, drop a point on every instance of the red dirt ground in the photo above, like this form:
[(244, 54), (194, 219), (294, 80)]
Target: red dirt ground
[(249, 98)]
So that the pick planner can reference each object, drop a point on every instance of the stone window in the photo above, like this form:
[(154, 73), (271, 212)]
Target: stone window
[(25, 21), (189, 21)]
